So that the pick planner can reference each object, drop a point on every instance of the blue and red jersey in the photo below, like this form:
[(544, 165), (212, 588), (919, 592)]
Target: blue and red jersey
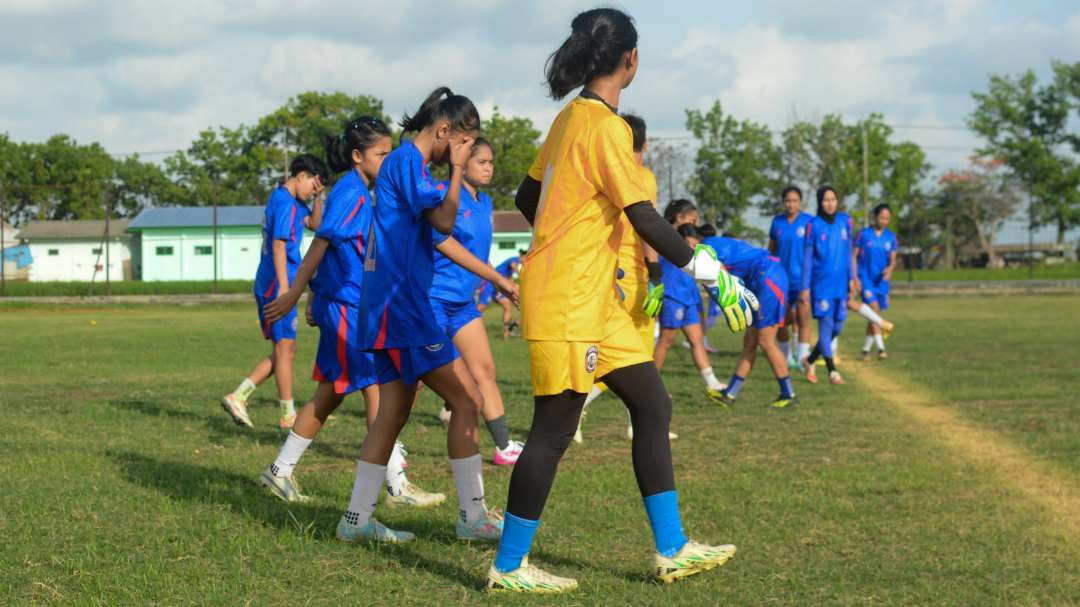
[(346, 224), (790, 239), (827, 262), (505, 268), (875, 252), (473, 229), (745, 261), (400, 263), (284, 220)]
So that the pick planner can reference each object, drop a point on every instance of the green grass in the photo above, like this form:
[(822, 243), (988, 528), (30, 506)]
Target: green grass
[(126, 484), (126, 287), (1041, 272)]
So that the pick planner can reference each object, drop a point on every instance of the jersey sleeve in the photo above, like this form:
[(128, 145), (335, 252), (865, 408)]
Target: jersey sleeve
[(616, 172), (649, 179), (341, 220), (279, 217), (426, 192), (539, 165)]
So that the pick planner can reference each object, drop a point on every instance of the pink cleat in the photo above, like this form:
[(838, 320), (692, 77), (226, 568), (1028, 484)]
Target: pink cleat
[(509, 456)]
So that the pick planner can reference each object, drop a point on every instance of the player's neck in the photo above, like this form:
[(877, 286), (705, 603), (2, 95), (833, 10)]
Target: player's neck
[(791, 217), (363, 177), (291, 185), (608, 89), (470, 187), (424, 141)]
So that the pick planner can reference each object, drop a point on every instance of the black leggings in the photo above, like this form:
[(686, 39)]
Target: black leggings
[(555, 419)]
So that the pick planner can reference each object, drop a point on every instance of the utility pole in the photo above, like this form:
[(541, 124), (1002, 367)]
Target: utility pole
[(866, 176), (1031, 235), (215, 247), (3, 281), (108, 280)]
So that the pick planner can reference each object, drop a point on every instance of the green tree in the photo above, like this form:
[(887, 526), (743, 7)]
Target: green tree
[(516, 143), (737, 164), (1027, 126), (137, 185), (222, 166), (981, 197)]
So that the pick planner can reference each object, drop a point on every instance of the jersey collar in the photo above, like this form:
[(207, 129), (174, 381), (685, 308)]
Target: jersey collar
[(587, 94)]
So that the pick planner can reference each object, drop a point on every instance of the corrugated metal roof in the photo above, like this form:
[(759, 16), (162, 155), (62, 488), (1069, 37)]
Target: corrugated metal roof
[(73, 228), (509, 221), (197, 217)]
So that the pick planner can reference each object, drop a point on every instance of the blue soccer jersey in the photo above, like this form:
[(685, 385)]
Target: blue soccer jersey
[(399, 263), (827, 265), (678, 285), (283, 220), (453, 283), (875, 252), (505, 268), (743, 260), (346, 224), (790, 239)]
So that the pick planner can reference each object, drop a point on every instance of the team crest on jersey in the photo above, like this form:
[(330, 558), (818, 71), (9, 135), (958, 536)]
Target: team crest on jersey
[(800, 232), (294, 324), (591, 356), (888, 246), (824, 305), (434, 347), (679, 314), (868, 293), (843, 233)]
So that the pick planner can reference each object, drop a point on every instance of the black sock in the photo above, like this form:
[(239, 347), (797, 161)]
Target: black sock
[(499, 432), (814, 354), (555, 418), (829, 364)]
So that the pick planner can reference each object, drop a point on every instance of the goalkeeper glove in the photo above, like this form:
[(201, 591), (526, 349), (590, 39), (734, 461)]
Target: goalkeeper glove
[(707, 269), (654, 299), (740, 315)]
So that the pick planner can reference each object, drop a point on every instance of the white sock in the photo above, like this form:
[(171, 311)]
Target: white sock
[(365, 492), (287, 407), (290, 454), (593, 395), (244, 390), (804, 350), (868, 343), (785, 349), (835, 345), (469, 479), (710, 379), (869, 314), (395, 471), (880, 341)]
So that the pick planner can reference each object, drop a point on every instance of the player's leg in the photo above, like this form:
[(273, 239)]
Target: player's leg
[(667, 339), (779, 363), (284, 355), (507, 316), (713, 387), (786, 337), (742, 367), (278, 477), (471, 341), (803, 324), (879, 331)]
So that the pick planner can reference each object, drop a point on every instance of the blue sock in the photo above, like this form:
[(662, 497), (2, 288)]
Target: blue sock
[(517, 537), (735, 385), (786, 389), (663, 511)]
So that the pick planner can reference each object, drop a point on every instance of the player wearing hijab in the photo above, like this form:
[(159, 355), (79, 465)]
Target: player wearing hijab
[(581, 183), (875, 254), (787, 240), (287, 214)]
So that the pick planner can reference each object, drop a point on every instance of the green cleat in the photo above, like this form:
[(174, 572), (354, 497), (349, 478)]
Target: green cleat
[(694, 558), (285, 487), (373, 531), (719, 396), (528, 579), (785, 402)]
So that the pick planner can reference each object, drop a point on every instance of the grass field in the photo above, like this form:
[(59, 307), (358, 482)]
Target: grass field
[(948, 475), (1064, 271)]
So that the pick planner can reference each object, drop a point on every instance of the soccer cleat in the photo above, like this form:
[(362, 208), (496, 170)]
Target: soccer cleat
[(882, 355), (414, 496), (487, 529), (785, 402), (794, 363), (444, 416), (811, 374), (373, 531), (237, 409), (692, 559), (529, 579), (719, 396), (509, 456), (287, 421), (887, 329), (285, 487), (865, 355), (835, 378)]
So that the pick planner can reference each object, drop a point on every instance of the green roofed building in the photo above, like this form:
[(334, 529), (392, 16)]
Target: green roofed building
[(177, 243), (511, 234)]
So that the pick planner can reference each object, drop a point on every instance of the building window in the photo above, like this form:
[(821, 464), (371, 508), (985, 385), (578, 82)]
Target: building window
[(204, 250), (163, 250), (243, 249), (95, 251), (54, 252), (506, 246)]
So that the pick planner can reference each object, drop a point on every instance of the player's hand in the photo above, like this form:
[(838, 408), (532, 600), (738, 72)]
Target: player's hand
[(460, 150), (887, 275), (508, 288), (855, 286), (308, 316), (740, 314), (280, 307), (654, 299)]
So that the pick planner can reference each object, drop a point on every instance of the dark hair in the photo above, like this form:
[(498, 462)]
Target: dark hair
[(881, 207), (637, 127), (359, 134), (598, 39), (523, 252), (443, 103), (677, 207), (790, 189), (821, 195), (479, 143), (689, 230), (312, 165), (706, 230)]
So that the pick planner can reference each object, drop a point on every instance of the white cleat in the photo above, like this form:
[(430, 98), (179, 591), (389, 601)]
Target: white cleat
[(237, 409), (414, 496)]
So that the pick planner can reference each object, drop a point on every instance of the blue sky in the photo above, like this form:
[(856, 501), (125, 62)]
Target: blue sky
[(147, 76)]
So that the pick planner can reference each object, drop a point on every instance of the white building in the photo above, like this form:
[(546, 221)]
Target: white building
[(75, 250)]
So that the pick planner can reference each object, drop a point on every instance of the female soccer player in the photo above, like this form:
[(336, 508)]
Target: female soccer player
[(875, 250), (287, 215), (583, 179), (682, 312), (787, 240), (341, 366), (453, 286), (398, 325), (828, 277)]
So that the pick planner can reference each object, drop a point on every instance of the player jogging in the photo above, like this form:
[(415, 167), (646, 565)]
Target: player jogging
[(341, 366), (875, 254), (285, 218), (583, 179)]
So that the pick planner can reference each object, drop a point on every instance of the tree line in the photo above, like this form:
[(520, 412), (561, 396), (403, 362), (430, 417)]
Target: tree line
[(1030, 152)]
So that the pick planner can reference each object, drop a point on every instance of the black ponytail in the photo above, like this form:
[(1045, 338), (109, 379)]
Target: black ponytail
[(677, 207), (598, 39), (359, 134), (442, 103)]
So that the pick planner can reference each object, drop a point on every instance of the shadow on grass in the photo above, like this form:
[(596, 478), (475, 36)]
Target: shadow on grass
[(197, 484)]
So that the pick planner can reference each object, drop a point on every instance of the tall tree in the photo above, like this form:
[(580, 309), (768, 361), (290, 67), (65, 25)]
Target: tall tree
[(222, 166), (984, 196), (1027, 126), (516, 143), (668, 161)]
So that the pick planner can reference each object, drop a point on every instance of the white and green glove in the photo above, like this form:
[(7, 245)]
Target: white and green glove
[(735, 300)]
